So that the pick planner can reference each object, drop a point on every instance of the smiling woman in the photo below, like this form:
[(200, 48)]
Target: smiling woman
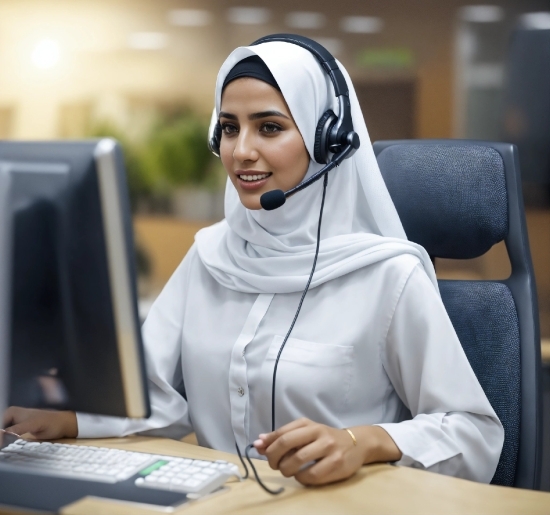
[(372, 369)]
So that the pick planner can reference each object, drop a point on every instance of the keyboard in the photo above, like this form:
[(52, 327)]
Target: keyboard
[(185, 475)]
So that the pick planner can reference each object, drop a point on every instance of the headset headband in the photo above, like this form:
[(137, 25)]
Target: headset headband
[(325, 58)]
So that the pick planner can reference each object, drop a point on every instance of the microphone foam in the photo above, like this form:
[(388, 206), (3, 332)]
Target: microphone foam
[(272, 199)]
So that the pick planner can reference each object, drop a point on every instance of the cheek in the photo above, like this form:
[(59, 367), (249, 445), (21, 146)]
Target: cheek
[(290, 155), (226, 156)]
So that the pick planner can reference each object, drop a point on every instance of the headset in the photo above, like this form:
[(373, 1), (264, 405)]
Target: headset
[(335, 139)]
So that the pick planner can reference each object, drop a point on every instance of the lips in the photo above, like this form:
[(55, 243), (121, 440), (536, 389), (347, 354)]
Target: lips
[(253, 176), (253, 179)]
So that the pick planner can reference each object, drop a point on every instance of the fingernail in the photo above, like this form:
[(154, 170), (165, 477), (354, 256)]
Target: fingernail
[(258, 443), (262, 436)]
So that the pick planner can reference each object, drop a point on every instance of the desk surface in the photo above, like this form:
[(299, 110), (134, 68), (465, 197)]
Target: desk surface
[(374, 489)]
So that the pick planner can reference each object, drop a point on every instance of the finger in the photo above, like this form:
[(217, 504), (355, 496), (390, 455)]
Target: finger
[(269, 438), (330, 469), (29, 426), (260, 446), (289, 441), (292, 463), (9, 416)]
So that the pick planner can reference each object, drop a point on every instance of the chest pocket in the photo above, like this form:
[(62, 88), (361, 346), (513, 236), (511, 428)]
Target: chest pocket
[(313, 379)]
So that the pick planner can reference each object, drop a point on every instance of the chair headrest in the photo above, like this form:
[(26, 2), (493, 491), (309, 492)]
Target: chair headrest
[(451, 197)]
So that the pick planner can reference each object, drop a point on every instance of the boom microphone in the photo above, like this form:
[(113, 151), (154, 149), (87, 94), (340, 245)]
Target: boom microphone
[(276, 198)]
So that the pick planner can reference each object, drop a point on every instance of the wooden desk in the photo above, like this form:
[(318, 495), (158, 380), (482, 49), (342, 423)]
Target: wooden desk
[(376, 489)]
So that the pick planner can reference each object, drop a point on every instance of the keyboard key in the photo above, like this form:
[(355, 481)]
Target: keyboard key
[(191, 483)]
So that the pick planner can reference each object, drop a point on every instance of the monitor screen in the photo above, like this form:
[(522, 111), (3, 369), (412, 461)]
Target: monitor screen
[(74, 332)]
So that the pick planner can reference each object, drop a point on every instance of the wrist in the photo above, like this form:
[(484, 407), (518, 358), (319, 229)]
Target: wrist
[(70, 425), (375, 444)]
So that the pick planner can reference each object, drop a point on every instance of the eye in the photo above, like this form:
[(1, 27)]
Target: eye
[(270, 128), (229, 128)]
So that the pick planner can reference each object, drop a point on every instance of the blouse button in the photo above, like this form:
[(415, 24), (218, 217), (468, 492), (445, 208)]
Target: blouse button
[(240, 391)]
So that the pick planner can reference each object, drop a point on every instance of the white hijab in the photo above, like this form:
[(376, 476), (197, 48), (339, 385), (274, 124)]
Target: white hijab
[(272, 251)]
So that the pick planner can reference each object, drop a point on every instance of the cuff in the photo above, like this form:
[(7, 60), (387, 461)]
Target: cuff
[(98, 426), (424, 446)]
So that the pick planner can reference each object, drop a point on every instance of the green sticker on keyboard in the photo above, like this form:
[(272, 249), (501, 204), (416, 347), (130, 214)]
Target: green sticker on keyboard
[(152, 468)]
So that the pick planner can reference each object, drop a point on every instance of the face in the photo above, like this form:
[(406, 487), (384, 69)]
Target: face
[(261, 147)]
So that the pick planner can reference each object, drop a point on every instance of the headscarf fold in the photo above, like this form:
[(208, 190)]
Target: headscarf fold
[(258, 251)]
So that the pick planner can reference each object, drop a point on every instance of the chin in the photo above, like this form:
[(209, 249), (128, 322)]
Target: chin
[(249, 202)]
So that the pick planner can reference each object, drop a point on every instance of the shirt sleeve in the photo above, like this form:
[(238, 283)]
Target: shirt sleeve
[(161, 333), (454, 430)]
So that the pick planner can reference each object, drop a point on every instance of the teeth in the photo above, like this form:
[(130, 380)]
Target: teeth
[(251, 178)]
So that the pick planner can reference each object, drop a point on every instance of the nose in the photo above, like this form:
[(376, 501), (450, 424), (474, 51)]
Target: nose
[(245, 147)]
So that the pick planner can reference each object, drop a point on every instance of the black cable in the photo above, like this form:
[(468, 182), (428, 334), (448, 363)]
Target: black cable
[(246, 474), (325, 181), (250, 446), (260, 482)]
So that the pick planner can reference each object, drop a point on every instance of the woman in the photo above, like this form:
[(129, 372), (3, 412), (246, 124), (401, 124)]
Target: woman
[(373, 370)]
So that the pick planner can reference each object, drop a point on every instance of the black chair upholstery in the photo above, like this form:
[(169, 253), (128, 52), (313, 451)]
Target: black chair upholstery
[(458, 198)]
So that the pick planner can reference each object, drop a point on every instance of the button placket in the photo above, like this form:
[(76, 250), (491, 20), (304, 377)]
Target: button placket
[(238, 383)]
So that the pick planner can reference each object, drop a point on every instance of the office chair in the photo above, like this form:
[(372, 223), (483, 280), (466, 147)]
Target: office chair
[(457, 198)]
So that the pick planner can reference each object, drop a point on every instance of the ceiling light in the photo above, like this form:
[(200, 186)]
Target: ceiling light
[(482, 13), (189, 17), (248, 15), (333, 45), (305, 20), (536, 21), (361, 24), (45, 54), (148, 40)]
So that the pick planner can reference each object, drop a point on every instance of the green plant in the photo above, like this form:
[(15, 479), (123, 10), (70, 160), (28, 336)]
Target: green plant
[(177, 150), (141, 183), (174, 153)]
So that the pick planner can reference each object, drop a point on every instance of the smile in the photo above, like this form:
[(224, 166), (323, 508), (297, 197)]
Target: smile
[(252, 178)]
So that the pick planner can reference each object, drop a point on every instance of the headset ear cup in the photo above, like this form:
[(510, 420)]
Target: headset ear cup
[(321, 146), (215, 141)]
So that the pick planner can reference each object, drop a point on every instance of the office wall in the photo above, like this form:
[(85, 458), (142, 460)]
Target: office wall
[(96, 64)]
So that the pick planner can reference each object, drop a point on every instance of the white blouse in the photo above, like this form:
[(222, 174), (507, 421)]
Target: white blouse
[(382, 360)]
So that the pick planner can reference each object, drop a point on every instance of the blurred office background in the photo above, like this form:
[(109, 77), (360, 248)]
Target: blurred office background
[(143, 71)]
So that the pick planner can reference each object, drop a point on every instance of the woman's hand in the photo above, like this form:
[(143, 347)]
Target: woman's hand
[(41, 424), (316, 454)]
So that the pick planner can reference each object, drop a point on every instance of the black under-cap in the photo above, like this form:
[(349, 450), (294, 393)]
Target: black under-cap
[(253, 67)]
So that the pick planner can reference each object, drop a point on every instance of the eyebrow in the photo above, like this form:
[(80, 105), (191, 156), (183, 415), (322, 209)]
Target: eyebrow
[(255, 116)]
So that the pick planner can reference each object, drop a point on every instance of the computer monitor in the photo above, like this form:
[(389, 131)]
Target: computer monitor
[(5, 255), (74, 326)]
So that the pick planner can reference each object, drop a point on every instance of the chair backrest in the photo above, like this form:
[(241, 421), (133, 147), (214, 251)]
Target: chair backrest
[(457, 198)]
